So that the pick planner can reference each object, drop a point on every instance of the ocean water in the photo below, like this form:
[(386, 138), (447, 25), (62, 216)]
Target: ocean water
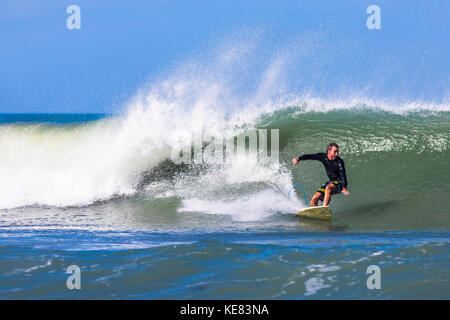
[(101, 192)]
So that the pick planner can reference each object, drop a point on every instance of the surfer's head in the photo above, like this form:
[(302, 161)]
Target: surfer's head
[(332, 151)]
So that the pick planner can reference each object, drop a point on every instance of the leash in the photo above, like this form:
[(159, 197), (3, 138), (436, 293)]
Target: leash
[(304, 192)]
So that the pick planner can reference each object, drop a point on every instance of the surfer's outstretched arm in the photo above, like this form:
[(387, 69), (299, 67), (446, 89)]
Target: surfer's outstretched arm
[(316, 156)]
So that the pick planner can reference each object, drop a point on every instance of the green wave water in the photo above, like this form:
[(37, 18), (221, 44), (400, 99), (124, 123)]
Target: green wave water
[(397, 164)]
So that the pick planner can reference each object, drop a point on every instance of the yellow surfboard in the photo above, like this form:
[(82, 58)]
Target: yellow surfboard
[(319, 212)]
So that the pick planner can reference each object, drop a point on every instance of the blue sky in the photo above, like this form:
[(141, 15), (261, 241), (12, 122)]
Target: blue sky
[(125, 45)]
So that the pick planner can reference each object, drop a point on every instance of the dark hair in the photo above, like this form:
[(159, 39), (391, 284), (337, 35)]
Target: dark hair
[(331, 145)]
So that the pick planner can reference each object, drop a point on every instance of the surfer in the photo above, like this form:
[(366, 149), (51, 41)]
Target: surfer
[(335, 169)]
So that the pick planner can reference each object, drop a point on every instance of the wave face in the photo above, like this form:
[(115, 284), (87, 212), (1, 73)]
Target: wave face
[(396, 162)]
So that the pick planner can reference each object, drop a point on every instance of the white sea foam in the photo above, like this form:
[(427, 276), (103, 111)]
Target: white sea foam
[(313, 285), (250, 208), (323, 268)]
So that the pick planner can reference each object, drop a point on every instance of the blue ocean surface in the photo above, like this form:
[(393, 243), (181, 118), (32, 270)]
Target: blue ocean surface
[(223, 265)]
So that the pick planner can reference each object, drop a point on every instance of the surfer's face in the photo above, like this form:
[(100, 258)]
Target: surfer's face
[(333, 153)]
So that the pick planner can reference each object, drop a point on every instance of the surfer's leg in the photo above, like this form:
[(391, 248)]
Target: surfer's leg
[(329, 190), (318, 196), (315, 199)]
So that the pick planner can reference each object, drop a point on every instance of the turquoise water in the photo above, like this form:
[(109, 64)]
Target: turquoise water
[(50, 117), (99, 192)]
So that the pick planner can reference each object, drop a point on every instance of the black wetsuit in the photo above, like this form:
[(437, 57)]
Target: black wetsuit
[(335, 170)]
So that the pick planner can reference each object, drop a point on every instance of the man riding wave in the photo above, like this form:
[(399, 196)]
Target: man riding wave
[(335, 169)]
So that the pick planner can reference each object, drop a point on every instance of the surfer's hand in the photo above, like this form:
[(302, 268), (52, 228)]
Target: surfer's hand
[(294, 161), (345, 191)]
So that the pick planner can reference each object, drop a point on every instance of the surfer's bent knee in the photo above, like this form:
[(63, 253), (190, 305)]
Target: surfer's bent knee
[(330, 186), (318, 195)]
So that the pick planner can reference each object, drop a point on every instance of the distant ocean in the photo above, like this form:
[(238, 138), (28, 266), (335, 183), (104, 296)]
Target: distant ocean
[(100, 192)]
